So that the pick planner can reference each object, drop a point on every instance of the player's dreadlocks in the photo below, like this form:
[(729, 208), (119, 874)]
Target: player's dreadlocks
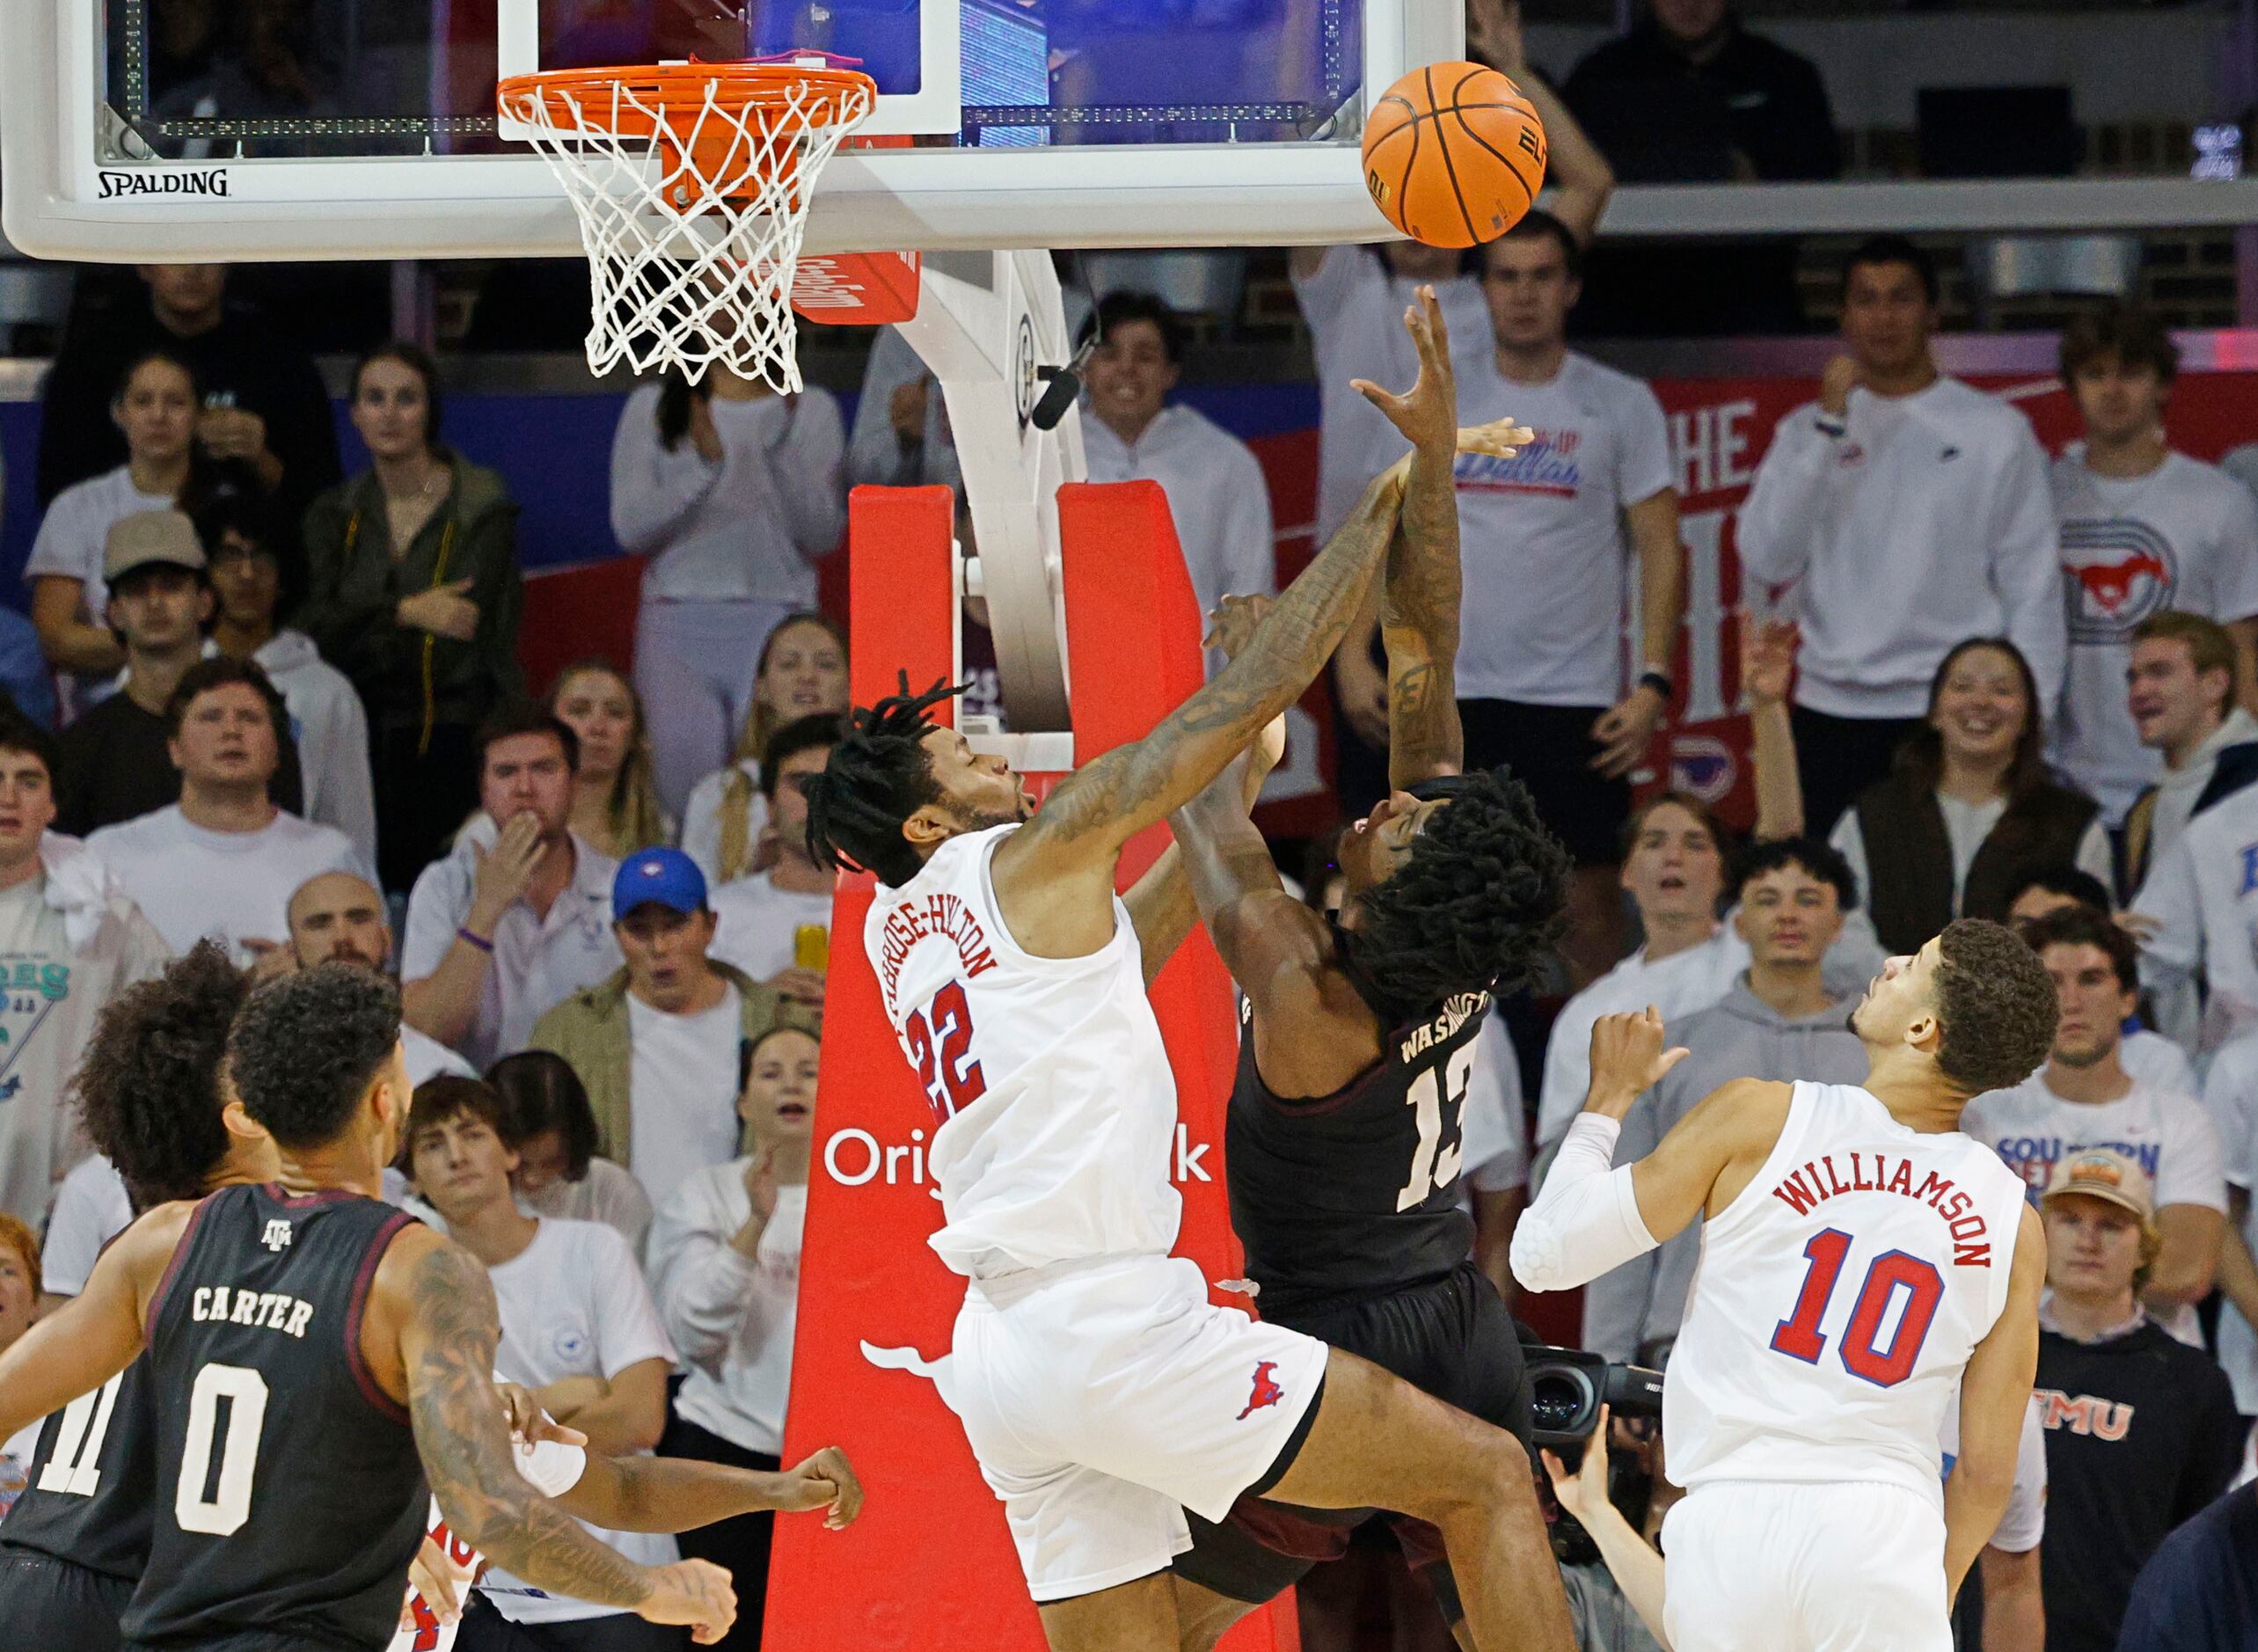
[(1476, 907), (149, 1085), (876, 778)]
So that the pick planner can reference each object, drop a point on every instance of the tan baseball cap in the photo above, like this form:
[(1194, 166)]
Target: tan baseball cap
[(2102, 1173), (147, 538)]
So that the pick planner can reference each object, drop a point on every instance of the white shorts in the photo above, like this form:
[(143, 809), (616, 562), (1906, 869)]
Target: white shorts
[(1104, 1400), (1769, 1566)]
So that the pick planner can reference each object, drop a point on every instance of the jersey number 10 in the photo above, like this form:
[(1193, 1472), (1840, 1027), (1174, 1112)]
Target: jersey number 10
[(1798, 1336)]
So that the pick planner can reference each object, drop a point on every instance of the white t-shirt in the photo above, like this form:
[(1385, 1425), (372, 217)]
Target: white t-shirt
[(72, 538), (551, 1469), (15, 1464), (1547, 561), (191, 883), (2231, 1097), (427, 1058), (701, 818), (759, 924), (574, 1303), (2183, 536), (1966, 826), (538, 962), (2023, 1524), (1354, 304), (732, 1318), (1216, 495), (90, 1209), (682, 1091), (2202, 893), (608, 1193), (2169, 1135), (1492, 1127)]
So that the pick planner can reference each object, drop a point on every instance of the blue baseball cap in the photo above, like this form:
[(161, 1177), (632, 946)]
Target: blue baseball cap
[(667, 876)]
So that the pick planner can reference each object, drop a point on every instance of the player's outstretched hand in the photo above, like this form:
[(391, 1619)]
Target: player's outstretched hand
[(1232, 622), (1627, 1060), (529, 1422), (429, 1576), (1582, 1492), (826, 1480), (695, 1592), (1428, 413)]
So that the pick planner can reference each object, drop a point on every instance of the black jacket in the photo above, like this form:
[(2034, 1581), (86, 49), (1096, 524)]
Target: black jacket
[(2141, 1433), (1660, 117)]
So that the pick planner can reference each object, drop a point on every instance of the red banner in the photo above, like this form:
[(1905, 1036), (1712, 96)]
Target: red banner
[(1719, 429)]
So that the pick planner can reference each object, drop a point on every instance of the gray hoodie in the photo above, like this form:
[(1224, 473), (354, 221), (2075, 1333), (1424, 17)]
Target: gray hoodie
[(1740, 1037)]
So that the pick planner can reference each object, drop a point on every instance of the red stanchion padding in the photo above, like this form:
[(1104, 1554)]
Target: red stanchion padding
[(929, 1567)]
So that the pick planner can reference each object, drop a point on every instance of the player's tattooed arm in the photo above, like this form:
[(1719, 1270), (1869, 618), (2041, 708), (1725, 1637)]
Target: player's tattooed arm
[(447, 1345), (448, 1326), (1104, 803), (1420, 591), (667, 1494)]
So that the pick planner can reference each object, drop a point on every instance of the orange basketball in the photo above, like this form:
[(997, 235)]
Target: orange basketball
[(1453, 154)]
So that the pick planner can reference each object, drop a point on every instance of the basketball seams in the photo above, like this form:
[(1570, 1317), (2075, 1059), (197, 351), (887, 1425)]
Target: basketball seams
[(1408, 192), (1450, 167), (1526, 189)]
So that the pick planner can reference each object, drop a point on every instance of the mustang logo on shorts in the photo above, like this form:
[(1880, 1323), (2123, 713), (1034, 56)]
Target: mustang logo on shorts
[(1266, 1392)]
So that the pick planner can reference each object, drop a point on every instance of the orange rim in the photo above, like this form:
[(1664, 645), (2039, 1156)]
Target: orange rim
[(765, 87)]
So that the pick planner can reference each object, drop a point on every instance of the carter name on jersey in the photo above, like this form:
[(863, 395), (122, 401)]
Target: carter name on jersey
[(274, 1310), (1818, 1180)]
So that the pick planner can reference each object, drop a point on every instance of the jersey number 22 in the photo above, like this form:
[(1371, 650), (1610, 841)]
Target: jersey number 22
[(937, 1039)]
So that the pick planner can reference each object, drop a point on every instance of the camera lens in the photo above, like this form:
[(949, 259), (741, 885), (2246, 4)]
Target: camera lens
[(1558, 1399)]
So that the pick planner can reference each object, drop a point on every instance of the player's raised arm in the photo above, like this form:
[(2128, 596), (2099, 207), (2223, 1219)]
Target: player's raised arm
[(98, 1333), (1995, 1391), (1103, 805), (445, 1307), (1420, 589), (1594, 1214)]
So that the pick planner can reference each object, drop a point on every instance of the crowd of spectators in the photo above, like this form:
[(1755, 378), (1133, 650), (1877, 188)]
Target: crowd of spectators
[(284, 707)]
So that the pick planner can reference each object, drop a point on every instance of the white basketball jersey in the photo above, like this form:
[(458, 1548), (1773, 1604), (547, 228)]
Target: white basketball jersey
[(1838, 1300), (1048, 1076)]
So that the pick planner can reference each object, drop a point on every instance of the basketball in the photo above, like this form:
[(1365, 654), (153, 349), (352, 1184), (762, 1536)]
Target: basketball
[(1454, 155)]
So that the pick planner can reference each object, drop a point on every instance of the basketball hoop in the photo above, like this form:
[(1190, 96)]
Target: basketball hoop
[(691, 181)]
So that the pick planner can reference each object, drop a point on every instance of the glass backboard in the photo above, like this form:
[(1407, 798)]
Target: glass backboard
[(348, 128)]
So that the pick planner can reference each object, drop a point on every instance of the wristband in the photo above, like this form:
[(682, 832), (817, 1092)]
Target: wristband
[(1830, 426), (463, 932), (1658, 681)]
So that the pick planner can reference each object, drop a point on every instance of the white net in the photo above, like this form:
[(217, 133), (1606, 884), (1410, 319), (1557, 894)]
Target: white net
[(693, 197)]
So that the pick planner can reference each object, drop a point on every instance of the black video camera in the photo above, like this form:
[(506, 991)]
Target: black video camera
[(1568, 1386)]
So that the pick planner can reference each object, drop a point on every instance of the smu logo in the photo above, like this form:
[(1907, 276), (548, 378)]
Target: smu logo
[(2086, 1414), (1266, 1392), (2114, 574)]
